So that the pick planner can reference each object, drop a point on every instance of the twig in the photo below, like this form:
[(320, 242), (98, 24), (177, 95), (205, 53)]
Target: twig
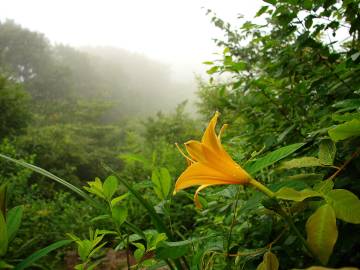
[(354, 155)]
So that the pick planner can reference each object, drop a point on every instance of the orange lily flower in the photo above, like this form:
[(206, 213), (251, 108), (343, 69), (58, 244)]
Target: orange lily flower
[(209, 164)]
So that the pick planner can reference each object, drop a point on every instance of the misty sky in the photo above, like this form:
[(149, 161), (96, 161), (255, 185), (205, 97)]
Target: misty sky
[(176, 32)]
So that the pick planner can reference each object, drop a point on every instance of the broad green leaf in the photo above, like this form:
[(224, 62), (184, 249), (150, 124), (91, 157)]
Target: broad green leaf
[(239, 66), (154, 239), (322, 232), (307, 177), (208, 63), (119, 214), (84, 248), (346, 205), (119, 199), (13, 221), (300, 163), (324, 186), (139, 252), (41, 253), (345, 117), (3, 235), (327, 151), (261, 11), (96, 188), (156, 219), (162, 182), (110, 186), (228, 60), (254, 166), (291, 194), (345, 130), (212, 70), (270, 262)]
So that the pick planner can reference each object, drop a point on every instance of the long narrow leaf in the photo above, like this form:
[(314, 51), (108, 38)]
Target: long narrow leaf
[(263, 162), (53, 177), (41, 253)]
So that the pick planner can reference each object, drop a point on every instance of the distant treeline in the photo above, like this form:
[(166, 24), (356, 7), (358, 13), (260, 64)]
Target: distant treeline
[(59, 74)]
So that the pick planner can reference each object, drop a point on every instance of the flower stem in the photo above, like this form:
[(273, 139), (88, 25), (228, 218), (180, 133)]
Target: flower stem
[(262, 188)]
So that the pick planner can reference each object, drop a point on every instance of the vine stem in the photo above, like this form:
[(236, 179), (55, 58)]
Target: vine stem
[(354, 155)]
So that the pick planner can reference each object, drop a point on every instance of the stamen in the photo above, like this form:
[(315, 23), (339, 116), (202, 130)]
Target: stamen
[(225, 126), (188, 160)]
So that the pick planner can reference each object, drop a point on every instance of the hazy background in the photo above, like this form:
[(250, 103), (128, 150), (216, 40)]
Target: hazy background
[(176, 33)]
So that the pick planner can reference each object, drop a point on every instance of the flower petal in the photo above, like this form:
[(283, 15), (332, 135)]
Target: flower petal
[(226, 165), (196, 196), (210, 138), (195, 150), (221, 163), (200, 174)]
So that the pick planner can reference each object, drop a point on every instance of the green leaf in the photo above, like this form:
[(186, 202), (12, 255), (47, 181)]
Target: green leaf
[(119, 214), (273, 2), (322, 232), (139, 252), (307, 4), (5, 265), (212, 70), (300, 163), (261, 11), (327, 151), (101, 217), (324, 187), (254, 166), (110, 186), (270, 262), (156, 219), (349, 104), (119, 199), (208, 63), (346, 116), (162, 182), (41, 253), (346, 205), (53, 177), (228, 60), (291, 194), (13, 219), (346, 130), (84, 248), (3, 235), (308, 22), (239, 66), (307, 177)]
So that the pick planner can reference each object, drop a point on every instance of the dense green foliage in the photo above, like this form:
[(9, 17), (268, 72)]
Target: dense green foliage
[(288, 85)]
